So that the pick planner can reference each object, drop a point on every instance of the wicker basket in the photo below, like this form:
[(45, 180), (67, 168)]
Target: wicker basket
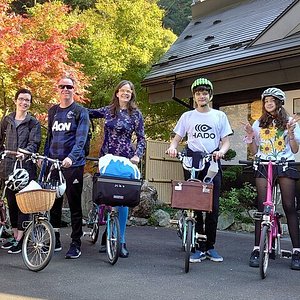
[(35, 201)]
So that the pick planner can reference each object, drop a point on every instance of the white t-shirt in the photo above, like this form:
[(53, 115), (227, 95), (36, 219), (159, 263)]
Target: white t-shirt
[(204, 129), (274, 143)]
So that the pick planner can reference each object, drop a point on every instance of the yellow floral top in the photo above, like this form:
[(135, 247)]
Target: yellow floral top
[(273, 143)]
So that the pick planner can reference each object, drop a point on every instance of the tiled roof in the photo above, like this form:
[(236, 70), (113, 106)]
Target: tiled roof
[(224, 36)]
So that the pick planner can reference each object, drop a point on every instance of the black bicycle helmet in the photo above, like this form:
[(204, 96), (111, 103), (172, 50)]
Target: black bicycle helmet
[(274, 92), (17, 180)]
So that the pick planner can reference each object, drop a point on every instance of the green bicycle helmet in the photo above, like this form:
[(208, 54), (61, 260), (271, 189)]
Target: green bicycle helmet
[(202, 82)]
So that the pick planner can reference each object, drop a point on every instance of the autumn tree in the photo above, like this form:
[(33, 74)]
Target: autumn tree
[(34, 53)]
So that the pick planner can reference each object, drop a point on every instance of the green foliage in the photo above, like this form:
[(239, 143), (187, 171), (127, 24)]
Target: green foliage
[(176, 14), (237, 200), (230, 154), (230, 175)]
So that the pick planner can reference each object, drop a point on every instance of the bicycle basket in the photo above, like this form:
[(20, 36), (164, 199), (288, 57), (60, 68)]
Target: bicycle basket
[(194, 195), (35, 201)]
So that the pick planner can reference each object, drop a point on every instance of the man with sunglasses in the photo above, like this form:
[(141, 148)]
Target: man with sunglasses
[(66, 137)]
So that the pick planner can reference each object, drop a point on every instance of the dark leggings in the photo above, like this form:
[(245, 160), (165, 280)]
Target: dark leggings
[(16, 216), (287, 188)]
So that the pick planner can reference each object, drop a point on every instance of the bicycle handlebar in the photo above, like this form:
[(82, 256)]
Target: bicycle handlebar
[(36, 156), (274, 163), (92, 158)]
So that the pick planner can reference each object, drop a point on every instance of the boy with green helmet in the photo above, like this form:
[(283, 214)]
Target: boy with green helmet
[(207, 131)]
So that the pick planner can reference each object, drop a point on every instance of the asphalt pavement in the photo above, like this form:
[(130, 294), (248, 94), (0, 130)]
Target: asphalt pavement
[(154, 270)]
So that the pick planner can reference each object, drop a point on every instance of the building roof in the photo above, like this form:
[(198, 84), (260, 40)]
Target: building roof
[(232, 34)]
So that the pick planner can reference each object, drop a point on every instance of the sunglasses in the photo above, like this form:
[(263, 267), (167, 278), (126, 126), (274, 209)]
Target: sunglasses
[(66, 86)]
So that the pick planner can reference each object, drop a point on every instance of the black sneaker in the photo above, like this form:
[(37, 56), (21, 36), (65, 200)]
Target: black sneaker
[(295, 264), (254, 259), (124, 252), (74, 251), (58, 246), (9, 243), (16, 248)]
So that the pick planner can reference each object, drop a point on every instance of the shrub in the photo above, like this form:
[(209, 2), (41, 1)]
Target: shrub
[(238, 200)]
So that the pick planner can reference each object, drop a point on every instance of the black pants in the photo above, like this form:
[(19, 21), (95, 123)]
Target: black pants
[(211, 219), (74, 182)]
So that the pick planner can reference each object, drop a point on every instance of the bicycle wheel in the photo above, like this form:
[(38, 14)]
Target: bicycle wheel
[(264, 251), (94, 224), (1, 230), (113, 239), (188, 245), (38, 245)]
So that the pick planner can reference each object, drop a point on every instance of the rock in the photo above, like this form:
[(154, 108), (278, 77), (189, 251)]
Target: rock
[(138, 221), (248, 227), (162, 218), (225, 220), (86, 196), (147, 203)]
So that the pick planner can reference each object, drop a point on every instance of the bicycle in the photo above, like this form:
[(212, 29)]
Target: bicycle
[(100, 215), (39, 237), (271, 229), (186, 196)]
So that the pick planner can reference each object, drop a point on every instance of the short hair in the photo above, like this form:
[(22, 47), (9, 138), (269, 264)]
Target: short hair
[(23, 91), (67, 77)]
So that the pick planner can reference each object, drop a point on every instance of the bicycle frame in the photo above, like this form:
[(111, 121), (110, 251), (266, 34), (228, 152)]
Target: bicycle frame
[(269, 217), (188, 234)]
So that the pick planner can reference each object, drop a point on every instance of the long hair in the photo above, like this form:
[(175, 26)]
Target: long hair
[(114, 104), (279, 119)]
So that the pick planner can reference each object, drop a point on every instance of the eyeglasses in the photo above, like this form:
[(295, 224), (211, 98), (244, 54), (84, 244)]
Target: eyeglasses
[(66, 86), (125, 91), (24, 99)]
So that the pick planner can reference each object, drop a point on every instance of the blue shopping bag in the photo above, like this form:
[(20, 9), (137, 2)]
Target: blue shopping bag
[(117, 166)]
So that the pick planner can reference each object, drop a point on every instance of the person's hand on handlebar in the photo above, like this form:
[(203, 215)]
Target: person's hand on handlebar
[(218, 155), (20, 156), (67, 162), (135, 160), (172, 151)]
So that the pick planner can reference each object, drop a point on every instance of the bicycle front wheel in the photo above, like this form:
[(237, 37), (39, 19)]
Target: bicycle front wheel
[(113, 239), (188, 245), (38, 245), (95, 230), (264, 251)]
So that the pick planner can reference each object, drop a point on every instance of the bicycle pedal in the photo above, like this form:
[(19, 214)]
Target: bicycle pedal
[(286, 254), (257, 215), (179, 233), (201, 237), (85, 233)]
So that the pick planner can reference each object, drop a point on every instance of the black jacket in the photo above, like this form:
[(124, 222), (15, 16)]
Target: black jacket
[(26, 136)]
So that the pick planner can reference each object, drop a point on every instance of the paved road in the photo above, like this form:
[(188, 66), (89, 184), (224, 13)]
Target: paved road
[(154, 270)]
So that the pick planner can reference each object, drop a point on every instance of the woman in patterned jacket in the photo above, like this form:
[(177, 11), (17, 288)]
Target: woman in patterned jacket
[(122, 120)]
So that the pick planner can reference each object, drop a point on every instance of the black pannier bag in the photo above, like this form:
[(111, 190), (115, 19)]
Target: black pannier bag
[(116, 191)]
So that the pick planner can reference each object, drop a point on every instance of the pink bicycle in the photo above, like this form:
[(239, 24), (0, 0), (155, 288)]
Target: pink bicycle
[(271, 229)]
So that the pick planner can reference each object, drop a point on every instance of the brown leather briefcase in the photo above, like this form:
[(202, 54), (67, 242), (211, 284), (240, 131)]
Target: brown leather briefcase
[(192, 194)]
